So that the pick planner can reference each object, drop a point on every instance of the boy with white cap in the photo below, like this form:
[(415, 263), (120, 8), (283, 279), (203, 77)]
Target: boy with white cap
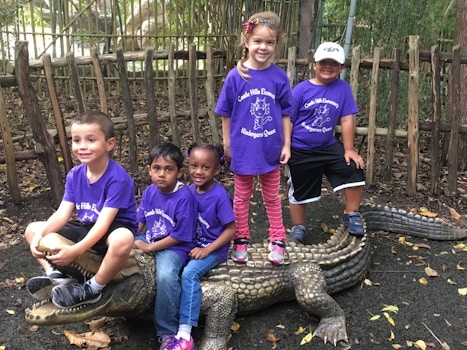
[(319, 104)]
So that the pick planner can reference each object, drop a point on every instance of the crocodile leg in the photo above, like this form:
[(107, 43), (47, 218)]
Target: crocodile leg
[(220, 307), (310, 291)]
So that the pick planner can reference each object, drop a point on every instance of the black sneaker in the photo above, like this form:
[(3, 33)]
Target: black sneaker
[(40, 287), (74, 295)]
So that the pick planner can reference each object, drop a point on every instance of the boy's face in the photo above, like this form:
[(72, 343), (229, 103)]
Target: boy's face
[(164, 174), (89, 144), (327, 70)]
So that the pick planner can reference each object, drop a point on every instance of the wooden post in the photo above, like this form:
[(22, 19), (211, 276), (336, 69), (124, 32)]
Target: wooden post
[(99, 79), (412, 127), (291, 65), (154, 137), (354, 68), (45, 146), (370, 161), (193, 94), (70, 58), (122, 73), (436, 117), (9, 149), (210, 99), (172, 92), (59, 122), (453, 150), (393, 99)]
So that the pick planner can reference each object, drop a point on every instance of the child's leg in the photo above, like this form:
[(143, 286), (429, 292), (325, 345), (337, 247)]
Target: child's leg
[(243, 185), (353, 198), (119, 242), (168, 290), (270, 191), (191, 296)]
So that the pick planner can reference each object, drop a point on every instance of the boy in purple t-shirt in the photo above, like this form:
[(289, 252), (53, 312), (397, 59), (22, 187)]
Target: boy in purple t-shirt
[(101, 193), (168, 210), (319, 104)]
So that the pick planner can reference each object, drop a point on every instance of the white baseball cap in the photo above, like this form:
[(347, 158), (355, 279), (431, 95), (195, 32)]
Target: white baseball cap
[(330, 51)]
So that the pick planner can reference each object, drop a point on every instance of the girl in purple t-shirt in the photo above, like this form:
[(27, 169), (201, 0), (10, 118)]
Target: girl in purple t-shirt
[(215, 230), (255, 105)]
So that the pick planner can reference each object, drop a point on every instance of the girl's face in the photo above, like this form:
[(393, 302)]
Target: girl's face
[(261, 45), (164, 174), (327, 71), (203, 168)]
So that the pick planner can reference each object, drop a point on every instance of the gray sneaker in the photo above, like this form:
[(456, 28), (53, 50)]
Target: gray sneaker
[(239, 251), (298, 233), (74, 295), (40, 287)]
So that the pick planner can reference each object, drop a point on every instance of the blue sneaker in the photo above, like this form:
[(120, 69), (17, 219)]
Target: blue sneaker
[(353, 221), (298, 233)]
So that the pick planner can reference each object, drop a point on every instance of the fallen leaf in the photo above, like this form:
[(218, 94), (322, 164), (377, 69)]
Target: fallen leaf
[(423, 245), (389, 318), (390, 308), (271, 336), (428, 214), (430, 272), (324, 227), (391, 336), (375, 317), (393, 251), (306, 339), (300, 330), (235, 327), (454, 214), (462, 291), (96, 324), (367, 282), (11, 312), (280, 326), (420, 344), (450, 281), (396, 346), (402, 240), (97, 340)]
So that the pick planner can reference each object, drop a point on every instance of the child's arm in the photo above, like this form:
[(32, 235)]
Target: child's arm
[(67, 254), (287, 131), (348, 130), (54, 223), (162, 244), (226, 236), (226, 138)]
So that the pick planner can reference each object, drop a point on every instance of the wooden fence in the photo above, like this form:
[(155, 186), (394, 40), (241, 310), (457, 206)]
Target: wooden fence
[(46, 140)]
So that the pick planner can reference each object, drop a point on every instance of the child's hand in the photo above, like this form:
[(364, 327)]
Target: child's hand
[(352, 155), (141, 245), (198, 253), (33, 247), (285, 155), (63, 255)]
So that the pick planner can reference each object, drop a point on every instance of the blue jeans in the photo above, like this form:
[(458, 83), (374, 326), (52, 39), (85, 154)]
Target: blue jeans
[(167, 301), (190, 301)]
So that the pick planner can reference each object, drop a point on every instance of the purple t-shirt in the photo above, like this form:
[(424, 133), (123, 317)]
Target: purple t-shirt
[(317, 110), (170, 214), (114, 189), (215, 211), (255, 107)]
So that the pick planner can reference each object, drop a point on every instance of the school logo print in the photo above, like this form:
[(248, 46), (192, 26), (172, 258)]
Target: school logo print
[(321, 116), (158, 230), (260, 109), (87, 218)]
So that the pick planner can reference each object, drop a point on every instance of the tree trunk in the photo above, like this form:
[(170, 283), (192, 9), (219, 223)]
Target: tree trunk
[(308, 11), (460, 38)]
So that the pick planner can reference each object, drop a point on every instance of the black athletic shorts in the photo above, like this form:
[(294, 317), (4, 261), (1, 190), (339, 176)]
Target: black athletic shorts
[(306, 169), (75, 231)]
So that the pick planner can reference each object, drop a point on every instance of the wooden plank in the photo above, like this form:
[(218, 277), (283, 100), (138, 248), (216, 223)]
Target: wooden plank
[(370, 161), (193, 94), (9, 149), (453, 161), (436, 117), (75, 82), (171, 91), (154, 137), (392, 118), (122, 73), (356, 53), (412, 124), (58, 115), (210, 99), (292, 53), (99, 79), (45, 146)]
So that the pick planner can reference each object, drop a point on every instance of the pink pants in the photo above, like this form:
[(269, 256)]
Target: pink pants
[(243, 190)]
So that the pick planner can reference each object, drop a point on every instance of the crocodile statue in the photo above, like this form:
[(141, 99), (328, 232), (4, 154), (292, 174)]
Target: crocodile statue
[(310, 275)]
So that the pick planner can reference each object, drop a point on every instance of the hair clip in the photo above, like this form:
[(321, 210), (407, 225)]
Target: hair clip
[(249, 26)]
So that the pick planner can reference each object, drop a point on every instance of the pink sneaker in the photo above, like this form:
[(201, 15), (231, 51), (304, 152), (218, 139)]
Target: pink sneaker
[(277, 252), (182, 344)]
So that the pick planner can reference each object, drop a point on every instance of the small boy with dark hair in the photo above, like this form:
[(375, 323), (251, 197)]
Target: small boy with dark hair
[(101, 193), (169, 211)]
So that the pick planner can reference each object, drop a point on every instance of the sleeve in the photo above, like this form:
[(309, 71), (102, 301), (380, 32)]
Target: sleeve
[(185, 226)]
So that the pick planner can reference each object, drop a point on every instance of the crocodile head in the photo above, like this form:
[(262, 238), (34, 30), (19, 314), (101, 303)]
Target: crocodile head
[(130, 293)]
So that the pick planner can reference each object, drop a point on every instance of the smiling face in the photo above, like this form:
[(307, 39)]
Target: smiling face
[(326, 71), (164, 174), (261, 45), (89, 145), (203, 168)]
